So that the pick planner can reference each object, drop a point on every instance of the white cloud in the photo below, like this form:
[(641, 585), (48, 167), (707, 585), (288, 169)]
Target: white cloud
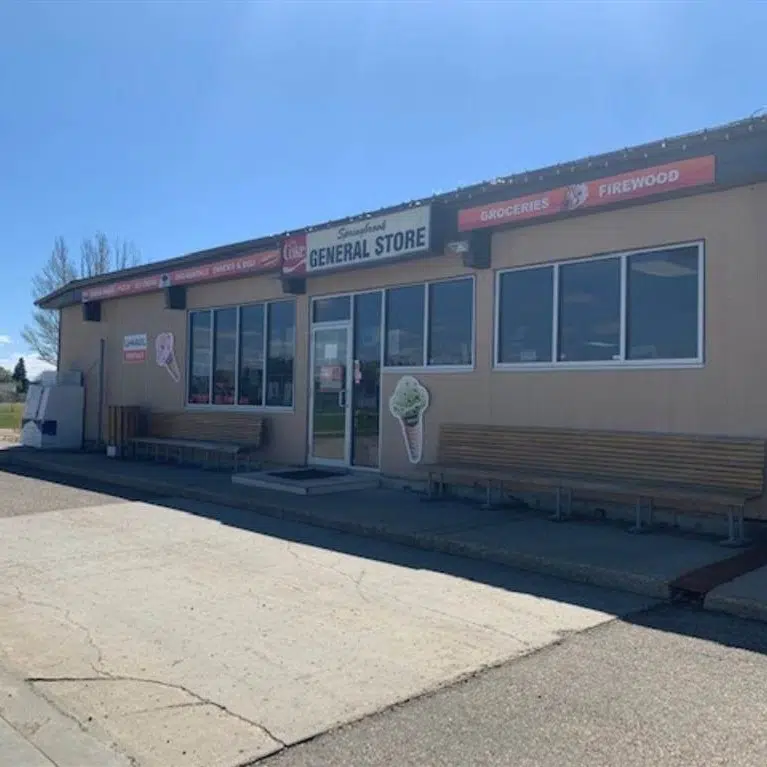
[(33, 363), (4, 340)]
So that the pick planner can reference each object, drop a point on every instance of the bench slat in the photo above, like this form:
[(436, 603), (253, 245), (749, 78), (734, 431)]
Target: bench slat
[(707, 462), (699, 468)]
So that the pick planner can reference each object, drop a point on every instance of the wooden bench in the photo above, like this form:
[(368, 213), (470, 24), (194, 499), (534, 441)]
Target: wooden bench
[(704, 473), (210, 439)]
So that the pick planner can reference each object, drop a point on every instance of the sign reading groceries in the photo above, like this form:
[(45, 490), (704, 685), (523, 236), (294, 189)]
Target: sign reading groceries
[(134, 347), (592, 194), (358, 242), (215, 270)]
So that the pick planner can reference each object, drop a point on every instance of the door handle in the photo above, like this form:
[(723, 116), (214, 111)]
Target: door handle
[(342, 399)]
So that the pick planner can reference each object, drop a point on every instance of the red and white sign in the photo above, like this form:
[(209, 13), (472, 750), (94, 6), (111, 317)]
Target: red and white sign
[(215, 270), (294, 255), (592, 194), (331, 378), (135, 347)]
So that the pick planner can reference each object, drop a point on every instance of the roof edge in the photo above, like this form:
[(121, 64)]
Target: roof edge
[(648, 150)]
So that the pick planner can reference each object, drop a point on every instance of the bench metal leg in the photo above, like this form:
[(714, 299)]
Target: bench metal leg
[(564, 504), (736, 528), (489, 503), (643, 521), (435, 489)]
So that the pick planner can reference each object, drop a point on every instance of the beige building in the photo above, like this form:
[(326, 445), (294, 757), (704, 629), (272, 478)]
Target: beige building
[(621, 292)]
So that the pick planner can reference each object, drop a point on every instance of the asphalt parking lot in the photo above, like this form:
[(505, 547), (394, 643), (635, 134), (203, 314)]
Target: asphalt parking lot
[(167, 633)]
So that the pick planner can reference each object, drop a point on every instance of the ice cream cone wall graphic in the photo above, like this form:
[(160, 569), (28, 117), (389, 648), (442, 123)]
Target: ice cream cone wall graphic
[(407, 404), (166, 355)]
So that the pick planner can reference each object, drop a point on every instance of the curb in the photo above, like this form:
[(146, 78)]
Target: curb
[(737, 606), (645, 586)]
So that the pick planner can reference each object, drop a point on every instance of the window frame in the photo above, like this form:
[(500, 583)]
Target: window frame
[(236, 406), (623, 363), (424, 367)]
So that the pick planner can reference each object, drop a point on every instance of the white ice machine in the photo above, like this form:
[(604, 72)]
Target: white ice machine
[(53, 413)]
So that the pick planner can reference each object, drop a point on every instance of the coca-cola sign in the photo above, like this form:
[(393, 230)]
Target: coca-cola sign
[(294, 255)]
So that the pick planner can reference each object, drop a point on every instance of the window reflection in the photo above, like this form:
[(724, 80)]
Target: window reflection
[(405, 326), (251, 391), (366, 391), (526, 307), (662, 305), (334, 309), (224, 355), (281, 330), (590, 311), (199, 357), (451, 317)]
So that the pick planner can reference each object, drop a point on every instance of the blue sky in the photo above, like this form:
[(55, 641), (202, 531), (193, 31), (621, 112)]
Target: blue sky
[(187, 125)]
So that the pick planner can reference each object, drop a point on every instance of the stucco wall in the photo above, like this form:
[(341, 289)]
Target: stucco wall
[(725, 396)]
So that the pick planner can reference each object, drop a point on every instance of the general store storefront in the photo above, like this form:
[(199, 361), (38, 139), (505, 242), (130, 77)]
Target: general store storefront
[(622, 292)]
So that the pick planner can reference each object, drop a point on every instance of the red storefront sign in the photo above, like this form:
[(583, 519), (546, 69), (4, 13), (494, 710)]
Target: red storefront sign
[(294, 255), (592, 194), (215, 270)]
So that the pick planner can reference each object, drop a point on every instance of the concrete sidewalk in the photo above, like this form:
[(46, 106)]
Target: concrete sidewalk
[(599, 553), (34, 733), (745, 597)]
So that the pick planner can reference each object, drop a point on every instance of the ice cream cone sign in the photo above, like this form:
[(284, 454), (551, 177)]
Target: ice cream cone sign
[(407, 404), (166, 355)]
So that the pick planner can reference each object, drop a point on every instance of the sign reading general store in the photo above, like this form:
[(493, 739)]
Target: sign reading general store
[(359, 242), (591, 194)]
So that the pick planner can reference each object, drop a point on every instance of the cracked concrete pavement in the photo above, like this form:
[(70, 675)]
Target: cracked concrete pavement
[(183, 641)]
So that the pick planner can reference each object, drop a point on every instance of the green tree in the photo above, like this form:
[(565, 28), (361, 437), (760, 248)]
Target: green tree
[(5, 376), (19, 377), (98, 255)]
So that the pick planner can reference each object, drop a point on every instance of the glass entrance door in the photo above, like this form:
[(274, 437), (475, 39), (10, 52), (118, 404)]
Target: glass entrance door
[(331, 358)]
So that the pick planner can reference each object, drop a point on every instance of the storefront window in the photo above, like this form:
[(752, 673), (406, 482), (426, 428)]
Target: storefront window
[(251, 384), (525, 315), (662, 305), (451, 320), (447, 339), (281, 330), (227, 346), (334, 309), (638, 307), (224, 355), (199, 357), (404, 326), (590, 311), (366, 392)]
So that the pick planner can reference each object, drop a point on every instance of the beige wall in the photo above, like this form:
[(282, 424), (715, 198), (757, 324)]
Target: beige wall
[(728, 395), (725, 396), (150, 386)]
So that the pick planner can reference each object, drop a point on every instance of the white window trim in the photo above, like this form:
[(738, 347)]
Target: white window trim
[(237, 408), (623, 363), (426, 367)]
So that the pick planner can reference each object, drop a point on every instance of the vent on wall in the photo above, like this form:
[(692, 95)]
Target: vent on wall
[(92, 311), (175, 297)]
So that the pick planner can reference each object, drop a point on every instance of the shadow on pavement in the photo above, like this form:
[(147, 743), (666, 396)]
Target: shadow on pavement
[(685, 619)]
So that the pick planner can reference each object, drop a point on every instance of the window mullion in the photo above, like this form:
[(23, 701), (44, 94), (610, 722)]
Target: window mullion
[(264, 376), (237, 357), (425, 350), (555, 309), (701, 302), (623, 308), (212, 356), (384, 329)]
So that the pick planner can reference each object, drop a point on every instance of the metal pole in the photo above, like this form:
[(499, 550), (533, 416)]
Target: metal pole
[(102, 354)]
